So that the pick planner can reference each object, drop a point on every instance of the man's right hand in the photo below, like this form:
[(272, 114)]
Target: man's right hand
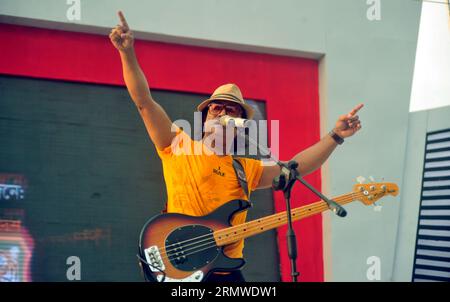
[(121, 36), (158, 124)]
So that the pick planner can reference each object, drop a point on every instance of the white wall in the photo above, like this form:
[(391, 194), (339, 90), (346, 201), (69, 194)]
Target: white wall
[(430, 106), (420, 123), (431, 88)]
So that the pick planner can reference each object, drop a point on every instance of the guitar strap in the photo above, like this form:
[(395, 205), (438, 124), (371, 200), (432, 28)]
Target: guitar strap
[(240, 174)]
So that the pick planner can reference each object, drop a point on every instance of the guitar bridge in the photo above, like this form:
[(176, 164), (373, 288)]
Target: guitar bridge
[(154, 259)]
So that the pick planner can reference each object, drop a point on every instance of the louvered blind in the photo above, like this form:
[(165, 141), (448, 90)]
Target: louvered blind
[(432, 253)]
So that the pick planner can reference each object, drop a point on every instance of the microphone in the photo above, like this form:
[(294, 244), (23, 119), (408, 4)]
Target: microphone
[(238, 122)]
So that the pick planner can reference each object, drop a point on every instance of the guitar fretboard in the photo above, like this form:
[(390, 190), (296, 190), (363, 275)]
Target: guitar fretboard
[(254, 227)]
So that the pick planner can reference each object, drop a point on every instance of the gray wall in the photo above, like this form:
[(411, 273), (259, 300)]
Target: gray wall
[(361, 61), (420, 123)]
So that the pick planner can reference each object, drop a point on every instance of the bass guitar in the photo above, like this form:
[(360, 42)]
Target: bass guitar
[(176, 247)]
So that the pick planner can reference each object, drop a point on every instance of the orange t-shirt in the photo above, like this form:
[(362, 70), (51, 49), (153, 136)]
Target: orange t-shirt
[(197, 184)]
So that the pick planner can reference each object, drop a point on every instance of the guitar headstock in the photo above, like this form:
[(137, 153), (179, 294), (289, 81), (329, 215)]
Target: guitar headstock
[(371, 192)]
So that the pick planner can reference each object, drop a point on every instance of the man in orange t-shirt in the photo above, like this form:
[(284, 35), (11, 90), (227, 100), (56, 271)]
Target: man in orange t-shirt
[(198, 179), (200, 182)]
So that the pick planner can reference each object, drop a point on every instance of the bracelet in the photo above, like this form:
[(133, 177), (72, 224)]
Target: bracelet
[(339, 140)]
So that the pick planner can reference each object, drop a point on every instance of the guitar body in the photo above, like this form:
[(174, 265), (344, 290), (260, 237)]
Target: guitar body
[(181, 248)]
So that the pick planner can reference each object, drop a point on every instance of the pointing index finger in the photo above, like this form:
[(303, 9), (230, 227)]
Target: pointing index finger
[(122, 19), (355, 110)]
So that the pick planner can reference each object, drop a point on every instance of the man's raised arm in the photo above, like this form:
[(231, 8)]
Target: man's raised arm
[(156, 121)]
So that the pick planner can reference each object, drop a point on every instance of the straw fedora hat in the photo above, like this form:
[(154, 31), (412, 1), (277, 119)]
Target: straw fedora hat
[(230, 93)]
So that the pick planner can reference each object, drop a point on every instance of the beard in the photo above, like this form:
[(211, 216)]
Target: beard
[(218, 138)]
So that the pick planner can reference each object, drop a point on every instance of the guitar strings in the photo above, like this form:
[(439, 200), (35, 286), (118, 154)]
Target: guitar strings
[(311, 210), (240, 225), (273, 220), (319, 206)]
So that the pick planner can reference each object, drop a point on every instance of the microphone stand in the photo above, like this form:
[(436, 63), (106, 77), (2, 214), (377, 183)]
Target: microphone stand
[(285, 182)]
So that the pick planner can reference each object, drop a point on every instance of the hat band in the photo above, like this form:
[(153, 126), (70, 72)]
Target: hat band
[(227, 95)]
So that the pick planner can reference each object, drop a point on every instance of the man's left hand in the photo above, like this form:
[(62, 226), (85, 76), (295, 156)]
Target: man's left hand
[(348, 124)]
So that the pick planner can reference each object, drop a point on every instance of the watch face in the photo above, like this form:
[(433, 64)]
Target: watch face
[(337, 138)]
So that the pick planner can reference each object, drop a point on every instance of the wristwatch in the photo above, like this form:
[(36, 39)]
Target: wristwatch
[(336, 137)]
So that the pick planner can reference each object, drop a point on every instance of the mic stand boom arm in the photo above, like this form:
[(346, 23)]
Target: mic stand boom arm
[(285, 182)]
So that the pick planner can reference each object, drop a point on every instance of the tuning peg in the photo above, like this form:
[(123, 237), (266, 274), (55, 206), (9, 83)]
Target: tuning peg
[(376, 207), (371, 179), (360, 179)]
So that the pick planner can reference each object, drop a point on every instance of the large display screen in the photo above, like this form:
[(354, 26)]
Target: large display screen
[(79, 177)]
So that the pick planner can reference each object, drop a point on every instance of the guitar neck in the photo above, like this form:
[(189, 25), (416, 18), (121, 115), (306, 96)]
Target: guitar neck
[(254, 227)]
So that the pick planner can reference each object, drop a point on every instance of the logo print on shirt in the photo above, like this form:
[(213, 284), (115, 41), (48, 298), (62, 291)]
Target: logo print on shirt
[(218, 172)]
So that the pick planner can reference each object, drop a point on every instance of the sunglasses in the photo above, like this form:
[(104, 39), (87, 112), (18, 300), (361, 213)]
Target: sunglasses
[(233, 110)]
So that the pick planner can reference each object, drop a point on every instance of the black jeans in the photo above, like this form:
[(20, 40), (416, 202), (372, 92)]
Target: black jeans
[(234, 276)]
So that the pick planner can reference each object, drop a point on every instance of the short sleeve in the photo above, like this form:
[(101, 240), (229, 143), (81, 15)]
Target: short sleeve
[(164, 153), (180, 143)]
